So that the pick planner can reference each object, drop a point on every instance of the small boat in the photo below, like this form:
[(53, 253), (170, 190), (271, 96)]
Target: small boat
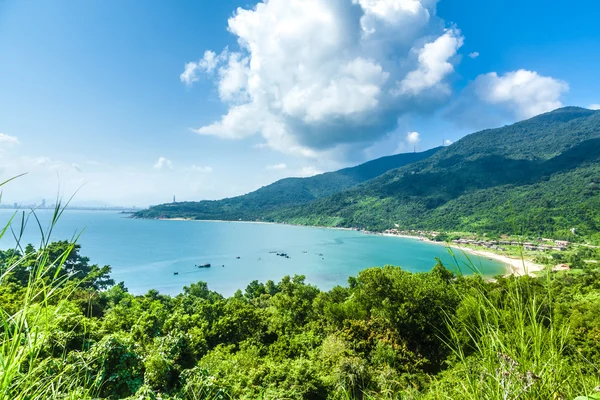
[(238, 257), (203, 266), (175, 273)]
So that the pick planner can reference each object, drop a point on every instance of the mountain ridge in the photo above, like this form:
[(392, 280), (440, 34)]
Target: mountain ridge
[(284, 192), (520, 159), (537, 176)]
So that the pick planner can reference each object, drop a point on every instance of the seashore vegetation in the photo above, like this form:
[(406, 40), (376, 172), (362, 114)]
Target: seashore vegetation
[(68, 331)]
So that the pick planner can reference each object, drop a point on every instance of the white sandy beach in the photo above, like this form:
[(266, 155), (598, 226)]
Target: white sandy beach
[(514, 265)]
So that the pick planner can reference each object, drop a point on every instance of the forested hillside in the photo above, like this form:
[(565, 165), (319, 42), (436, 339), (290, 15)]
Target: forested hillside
[(68, 333), (540, 176), (284, 193)]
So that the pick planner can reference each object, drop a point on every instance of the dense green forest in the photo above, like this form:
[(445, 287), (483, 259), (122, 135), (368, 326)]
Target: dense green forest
[(283, 193), (69, 332), (536, 177)]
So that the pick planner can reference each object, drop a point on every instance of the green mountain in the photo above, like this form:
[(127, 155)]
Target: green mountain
[(539, 176), (284, 193)]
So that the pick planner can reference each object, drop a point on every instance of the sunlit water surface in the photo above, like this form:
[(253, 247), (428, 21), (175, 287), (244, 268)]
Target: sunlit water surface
[(146, 254)]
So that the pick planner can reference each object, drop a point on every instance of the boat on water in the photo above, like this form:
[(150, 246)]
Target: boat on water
[(203, 266)]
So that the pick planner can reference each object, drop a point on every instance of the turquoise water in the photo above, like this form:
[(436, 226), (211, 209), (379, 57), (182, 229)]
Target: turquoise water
[(145, 254)]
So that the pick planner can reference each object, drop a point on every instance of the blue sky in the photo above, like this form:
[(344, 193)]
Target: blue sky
[(123, 100)]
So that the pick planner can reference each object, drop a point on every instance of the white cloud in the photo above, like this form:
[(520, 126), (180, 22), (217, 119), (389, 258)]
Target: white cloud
[(413, 137), (474, 55), (7, 140), (434, 65), (594, 106), (276, 166), (306, 172), (233, 78), (398, 20), (190, 73), (392, 11), (447, 142), (239, 122), (209, 62), (493, 100), (203, 169), (312, 75), (163, 163), (525, 93)]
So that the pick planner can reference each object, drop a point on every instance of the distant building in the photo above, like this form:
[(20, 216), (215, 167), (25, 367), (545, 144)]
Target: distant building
[(174, 199)]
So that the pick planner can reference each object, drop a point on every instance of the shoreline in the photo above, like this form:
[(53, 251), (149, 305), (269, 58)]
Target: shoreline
[(513, 266)]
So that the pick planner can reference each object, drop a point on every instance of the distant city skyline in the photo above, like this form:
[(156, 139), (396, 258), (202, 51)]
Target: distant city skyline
[(130, 103)]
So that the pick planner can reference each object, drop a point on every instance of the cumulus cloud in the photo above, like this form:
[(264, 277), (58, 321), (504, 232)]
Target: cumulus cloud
[(276, 166), (434, 65), (207, 64), (312, 75), (594, 106), (526, 93), (493, 99), (209, 61), (413, 137), (163, 164), (474, 55), (7, 140), (413, 14), (190, 73)]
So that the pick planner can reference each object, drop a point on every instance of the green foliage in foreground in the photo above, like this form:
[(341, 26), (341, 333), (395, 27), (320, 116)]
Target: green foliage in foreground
[(390, 334)]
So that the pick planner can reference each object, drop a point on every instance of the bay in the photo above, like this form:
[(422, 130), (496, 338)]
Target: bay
[(146, 254)]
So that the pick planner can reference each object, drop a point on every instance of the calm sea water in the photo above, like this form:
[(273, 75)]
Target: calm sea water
[(145, 254)]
